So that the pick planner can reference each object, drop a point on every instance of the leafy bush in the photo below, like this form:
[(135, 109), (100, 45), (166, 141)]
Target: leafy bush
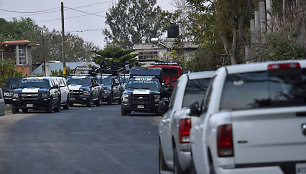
[(8, 69)]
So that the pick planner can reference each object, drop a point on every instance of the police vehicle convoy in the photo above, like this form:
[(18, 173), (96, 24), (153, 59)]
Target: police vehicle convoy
[(36, 93), (141, 94), (84, 90)]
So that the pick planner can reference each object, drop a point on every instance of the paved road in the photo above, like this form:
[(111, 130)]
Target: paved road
[(89, 140)]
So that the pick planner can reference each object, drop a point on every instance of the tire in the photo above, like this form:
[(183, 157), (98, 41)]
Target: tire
[(162, 166), (176, 165), (50, 107), (98, 101), (14, 110), (123, 112), (110, 100), (88, 104), (67, 104), (25, 110), (58, 107)]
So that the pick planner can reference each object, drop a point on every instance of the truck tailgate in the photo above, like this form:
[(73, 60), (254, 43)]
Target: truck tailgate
[(269, 135)]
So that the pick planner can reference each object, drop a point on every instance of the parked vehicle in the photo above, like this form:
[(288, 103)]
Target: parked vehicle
[(155, 72), (36, 93), (2, 104), (11, 84), (64, 91), (174, 144), (171, 73), (141, 94), (112, 89), (84, 90), (253, 120)]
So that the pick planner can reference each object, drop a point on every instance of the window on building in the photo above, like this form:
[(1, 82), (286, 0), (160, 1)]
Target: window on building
[(147, 55), (22, 55)]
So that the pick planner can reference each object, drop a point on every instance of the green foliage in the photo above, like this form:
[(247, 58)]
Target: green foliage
[(59, 73), (281, 47), (76, 49), (115, 54), (134, 21), (7, 69)]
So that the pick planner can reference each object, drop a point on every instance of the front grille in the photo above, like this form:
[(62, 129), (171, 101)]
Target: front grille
[(141, 98), (29, 96)]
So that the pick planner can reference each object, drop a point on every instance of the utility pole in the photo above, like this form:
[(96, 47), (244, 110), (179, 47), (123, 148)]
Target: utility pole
[(43, 51), (63, 40)]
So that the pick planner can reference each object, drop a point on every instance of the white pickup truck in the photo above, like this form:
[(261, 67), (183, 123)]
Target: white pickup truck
[(253, 121)]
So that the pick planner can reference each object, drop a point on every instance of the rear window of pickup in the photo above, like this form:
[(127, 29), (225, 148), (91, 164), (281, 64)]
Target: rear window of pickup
[(260, 90)]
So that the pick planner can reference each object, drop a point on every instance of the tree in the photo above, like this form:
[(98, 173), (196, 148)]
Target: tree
[(76, 49), (8, 69), (110, 54), (134, 21)]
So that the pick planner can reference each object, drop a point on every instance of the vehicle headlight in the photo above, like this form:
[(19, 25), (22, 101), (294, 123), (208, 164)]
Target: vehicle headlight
[(45, 95), (108, 91), (86, 92), (15, 96), (156, 98), (125, 97)]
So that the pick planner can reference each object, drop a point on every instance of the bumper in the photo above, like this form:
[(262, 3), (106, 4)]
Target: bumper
[(142, 107), (79, 99), (31, 104), (184, 156), (253, 170), (106, 97)]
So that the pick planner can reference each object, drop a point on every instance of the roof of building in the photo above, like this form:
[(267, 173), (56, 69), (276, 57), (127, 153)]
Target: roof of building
[(56, 66), (17, 42)]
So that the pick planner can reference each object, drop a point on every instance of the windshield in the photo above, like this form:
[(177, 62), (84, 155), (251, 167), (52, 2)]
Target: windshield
[(124, 79), (144, 84), (259, 90), (79, 81), (12, 81), (106, 81), (34, 83), (195, 91)]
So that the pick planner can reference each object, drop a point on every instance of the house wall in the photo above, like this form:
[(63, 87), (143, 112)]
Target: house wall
[(26, 70)]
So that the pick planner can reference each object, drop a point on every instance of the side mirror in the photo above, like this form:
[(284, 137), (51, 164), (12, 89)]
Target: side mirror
[(162, 108), (14, 86), (121, 89), (195, 109)]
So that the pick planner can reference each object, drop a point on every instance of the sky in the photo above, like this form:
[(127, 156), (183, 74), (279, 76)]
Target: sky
[(47, 12)]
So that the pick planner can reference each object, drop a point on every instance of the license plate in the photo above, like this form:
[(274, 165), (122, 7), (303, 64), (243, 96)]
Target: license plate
[(300, 168), (72, 98), (140, 106), (29, 105)]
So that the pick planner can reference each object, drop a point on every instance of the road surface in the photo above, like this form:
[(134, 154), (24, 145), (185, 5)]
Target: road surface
[(81, 140)]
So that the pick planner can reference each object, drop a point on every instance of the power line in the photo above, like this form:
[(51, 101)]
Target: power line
[(49, 20), (84, 12), (13, 11), (48, 11), (79, 31)]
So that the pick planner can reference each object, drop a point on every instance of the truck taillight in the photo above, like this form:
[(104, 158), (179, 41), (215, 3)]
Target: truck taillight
[(225, 141), (184, 130), (278, 66)]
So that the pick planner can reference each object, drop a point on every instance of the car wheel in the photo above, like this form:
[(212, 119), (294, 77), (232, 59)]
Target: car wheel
[(88, 104), (25, 110), (110, 100), (123, 112), (49, 107), (14, 110), (67, 104), (58, 107), (98, 101), (161, 161), (176, 165)]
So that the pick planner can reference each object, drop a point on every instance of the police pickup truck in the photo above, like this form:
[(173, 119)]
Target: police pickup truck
[(84, 90), (141, 94), (36, 93)]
